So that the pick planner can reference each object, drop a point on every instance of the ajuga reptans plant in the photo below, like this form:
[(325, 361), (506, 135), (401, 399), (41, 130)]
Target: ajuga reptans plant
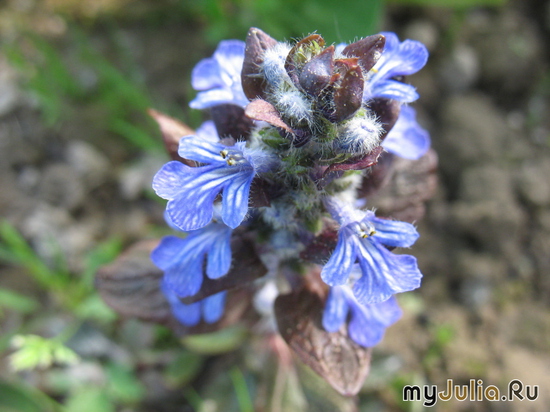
[(274, 191)]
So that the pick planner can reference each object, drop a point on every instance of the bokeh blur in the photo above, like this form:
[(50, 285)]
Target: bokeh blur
[(78, 152)]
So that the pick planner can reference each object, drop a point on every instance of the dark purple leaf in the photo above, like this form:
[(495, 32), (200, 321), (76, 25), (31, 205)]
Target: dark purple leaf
[(357, 163), (348, 93), (300, 137), (367, 50), (334, 356), (317, 73), (231, 121), (291, 64), (260, 193), (130, 284), (378, 176), (257, 42), (387, 111), (322, 245), (407, 186)]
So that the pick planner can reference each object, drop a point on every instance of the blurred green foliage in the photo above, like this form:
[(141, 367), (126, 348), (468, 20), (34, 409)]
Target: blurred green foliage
[(117, 100), (288, 19), (70, 290), (450, 3), (37, 352)]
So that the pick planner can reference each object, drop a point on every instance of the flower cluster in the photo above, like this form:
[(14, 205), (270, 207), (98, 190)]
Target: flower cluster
[(313, 123)]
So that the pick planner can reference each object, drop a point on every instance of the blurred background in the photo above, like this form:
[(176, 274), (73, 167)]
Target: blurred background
[(78, 153)]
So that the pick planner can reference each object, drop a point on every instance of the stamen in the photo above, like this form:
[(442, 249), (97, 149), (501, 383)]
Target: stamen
[(232, 157), (363, 229)]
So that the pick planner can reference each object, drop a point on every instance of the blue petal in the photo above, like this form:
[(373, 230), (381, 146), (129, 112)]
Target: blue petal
[(369, 322), (230, 55), (364, 331), (407, 139), (397, 59), (182, 260), (408, 58), (184, 277), (336, 309), (387, 312), (213, 307), (189, 315), (394, 233), (391, 44), (201, 150), (193, 207), (384, 273), (219, 255), (338, 268), (168, 181), (235, 198), (206, 75), (207, 131), (167, 251), (213, 97), (392, 89)]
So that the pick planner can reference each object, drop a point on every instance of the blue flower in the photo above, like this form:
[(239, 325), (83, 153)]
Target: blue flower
[(219, 77), (210, 309), (207, 131), (406, 138), (362, 238), (191, 191), (367, 323), (182, 260), (397, 59)]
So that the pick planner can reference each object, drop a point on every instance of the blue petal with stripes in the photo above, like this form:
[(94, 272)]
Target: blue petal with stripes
[(367, 323), (191, 191), (218, 78), (397, 59), (182, 260), (362, 239), (407, 138)]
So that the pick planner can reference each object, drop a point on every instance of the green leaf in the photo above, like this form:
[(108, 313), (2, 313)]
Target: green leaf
[(221, 341), (183, 368), (17, 302), (15, 249), (351, 19), (18, 398), (35, 351), (123, 384), (102, 254), (450, 3), (241, 390), (89, 399), (93, 307), (136, 135)]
